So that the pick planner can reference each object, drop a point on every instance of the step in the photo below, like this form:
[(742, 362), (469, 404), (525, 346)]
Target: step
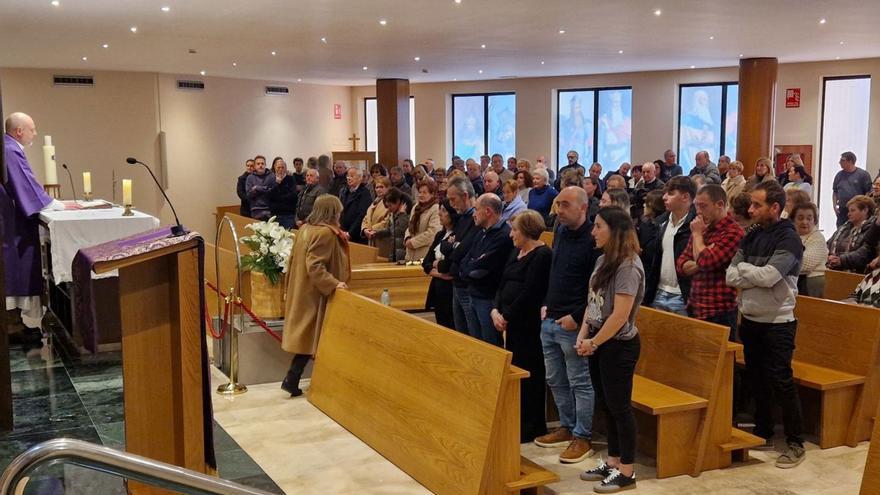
[(532, 475), (740, 439)]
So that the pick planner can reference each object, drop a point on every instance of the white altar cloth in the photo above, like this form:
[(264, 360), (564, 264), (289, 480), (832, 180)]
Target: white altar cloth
[(72, 230)]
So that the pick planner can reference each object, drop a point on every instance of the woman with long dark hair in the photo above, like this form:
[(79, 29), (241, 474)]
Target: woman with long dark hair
[(437, 266), (609, 336)]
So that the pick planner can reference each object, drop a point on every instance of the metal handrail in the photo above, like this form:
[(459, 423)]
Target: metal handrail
[(122, 464)]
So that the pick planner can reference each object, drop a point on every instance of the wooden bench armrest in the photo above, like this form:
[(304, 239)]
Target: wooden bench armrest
[(655, 398), (531, 475)]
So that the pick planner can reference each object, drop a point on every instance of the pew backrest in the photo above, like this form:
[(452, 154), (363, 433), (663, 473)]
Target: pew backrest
[(681, 352), (840, 285), (836, 335), (426, 398)]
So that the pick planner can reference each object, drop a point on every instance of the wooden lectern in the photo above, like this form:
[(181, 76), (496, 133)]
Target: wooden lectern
[(162, 356)]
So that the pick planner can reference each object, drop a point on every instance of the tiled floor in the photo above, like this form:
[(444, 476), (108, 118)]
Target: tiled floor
[(57, 396)]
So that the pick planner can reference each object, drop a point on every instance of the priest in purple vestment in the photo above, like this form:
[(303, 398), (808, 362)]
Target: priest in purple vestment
[(21, 200)]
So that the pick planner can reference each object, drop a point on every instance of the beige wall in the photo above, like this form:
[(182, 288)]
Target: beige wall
[(655, 107), (209, 134)]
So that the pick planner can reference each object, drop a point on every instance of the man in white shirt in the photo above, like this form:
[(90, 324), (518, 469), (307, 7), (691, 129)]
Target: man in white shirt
[(664, 289)]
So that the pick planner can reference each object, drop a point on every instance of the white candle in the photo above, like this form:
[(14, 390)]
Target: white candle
[(87, 182), (49, 161), (126, 191)]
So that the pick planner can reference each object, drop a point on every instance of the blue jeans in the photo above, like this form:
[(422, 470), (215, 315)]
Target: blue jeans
[(485, 330), (461, 307), (568, 376), (672, 303), (286, 221)]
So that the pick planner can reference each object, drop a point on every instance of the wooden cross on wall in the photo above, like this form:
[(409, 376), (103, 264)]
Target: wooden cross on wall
[(354, 139)]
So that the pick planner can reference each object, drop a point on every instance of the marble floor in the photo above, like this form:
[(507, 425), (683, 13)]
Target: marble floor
[(58, 396), (305, 452)]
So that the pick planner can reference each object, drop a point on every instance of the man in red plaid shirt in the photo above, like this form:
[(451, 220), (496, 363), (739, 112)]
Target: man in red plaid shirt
[(715, 237)]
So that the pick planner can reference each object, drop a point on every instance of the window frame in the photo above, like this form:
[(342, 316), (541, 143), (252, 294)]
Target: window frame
[(723, 138), (485, 116), (596, 92), (367, 134)]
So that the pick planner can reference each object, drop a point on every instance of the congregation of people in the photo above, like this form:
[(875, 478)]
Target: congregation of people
[(713, 245)]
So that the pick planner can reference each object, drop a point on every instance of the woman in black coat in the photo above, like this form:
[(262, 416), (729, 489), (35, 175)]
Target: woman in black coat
[(518, 312), (440, 291)]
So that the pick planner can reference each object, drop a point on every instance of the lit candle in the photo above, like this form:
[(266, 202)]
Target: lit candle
[(87, 182), (49, 161), (126, 191)]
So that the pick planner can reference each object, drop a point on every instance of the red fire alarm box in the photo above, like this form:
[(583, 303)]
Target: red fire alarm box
[(337, 111), (793, 98)]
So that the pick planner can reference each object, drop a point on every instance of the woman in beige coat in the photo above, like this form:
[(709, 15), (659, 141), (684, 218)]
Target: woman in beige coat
[(424, 222), (318, 266), (375, 218), (735, 182)]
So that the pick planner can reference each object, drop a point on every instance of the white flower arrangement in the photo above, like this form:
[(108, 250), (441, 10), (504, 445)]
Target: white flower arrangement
[(270, 245)]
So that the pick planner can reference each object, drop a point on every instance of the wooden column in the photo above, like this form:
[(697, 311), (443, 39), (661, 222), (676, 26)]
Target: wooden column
[(392, 108), (757, 104)]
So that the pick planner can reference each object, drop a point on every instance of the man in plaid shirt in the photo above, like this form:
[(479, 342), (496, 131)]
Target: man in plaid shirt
[(715, 237)]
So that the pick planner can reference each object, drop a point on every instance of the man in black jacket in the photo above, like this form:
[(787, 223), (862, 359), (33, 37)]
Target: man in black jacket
[(245, 208), (482, 266), (670, 168), (568, 375), (460, 193), (339, 180), (355, 202), (664, 289), (573, 164)]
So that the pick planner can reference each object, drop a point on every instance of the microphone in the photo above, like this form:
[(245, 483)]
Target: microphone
[(178, 229), (69, 176)]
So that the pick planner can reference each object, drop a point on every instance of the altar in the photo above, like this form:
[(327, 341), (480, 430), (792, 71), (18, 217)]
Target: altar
[(62, 234)]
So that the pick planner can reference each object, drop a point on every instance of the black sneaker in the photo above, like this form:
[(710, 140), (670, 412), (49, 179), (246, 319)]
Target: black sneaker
[(616, 482), (598, 473)]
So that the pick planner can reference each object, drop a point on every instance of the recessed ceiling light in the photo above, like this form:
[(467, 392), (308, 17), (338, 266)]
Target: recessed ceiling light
[(383, 22), (455, 79), (480, 71), (105, 45), (740, 55), (274, 53), (86, 59), (693, 67), (483, 46), (165, 9), (365, 67), (562, 31), (299, 80), (202, 72), (620, 52), (837, 58), (658, 12), (842, 43), (56, 3), (542, 62), (823, 20), (711, 37), (324, 40), (133, 29), (457, 1), (417, 58), (234, 64)]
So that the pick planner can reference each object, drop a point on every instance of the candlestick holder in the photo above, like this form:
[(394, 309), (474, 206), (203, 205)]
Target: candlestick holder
[(127, 212), (87, 196)]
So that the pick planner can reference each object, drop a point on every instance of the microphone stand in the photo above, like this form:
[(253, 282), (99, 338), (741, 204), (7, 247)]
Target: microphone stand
[(69, 176), (176, 230)]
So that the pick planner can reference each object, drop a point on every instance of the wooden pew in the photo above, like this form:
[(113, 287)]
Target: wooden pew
[(836, 364), (871, 476), (220, 211), (442, 406), (685, 417), (547, 237), (839, 285), (408, 285), (836, 357)]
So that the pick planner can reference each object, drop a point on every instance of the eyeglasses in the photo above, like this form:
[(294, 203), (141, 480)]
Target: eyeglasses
[(572, 157)]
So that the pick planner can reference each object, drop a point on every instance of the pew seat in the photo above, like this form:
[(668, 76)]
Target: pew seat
[(655, 398), (532, 479), (817, 377)]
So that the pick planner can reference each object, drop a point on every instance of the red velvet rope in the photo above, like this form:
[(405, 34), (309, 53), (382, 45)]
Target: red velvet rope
[(259, 321)]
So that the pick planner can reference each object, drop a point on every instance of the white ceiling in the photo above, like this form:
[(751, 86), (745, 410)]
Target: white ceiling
[(518, 34)]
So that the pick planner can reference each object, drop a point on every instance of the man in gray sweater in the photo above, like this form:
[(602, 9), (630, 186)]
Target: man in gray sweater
[(765, 269)]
